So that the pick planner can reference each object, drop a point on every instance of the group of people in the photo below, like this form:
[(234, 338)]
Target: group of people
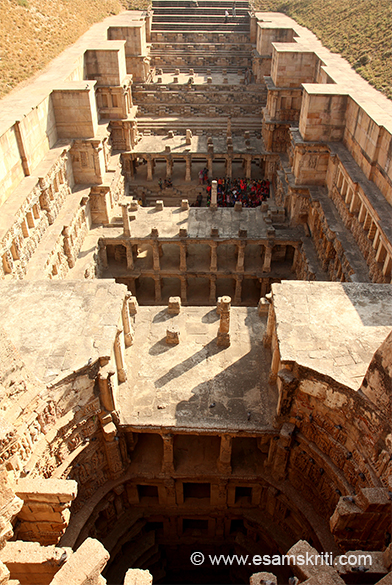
[(233, 12), (203, 176), (166, 184), (250, 192)]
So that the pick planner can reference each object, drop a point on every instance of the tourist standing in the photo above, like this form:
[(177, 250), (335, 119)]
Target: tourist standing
[(233, 10), (226, 15)]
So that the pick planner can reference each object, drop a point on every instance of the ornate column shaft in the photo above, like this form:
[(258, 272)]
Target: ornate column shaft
[(238, 290), (224, 324), (158, 292), (155, 256), (188, 169), (183, 289), (168, 454), (240, 256), (149, 169), (125, 217), (267, 259), (128, 329), (128, 247), (213, 289), (183, 256), (214, 257), (118, 352), (224, 461)]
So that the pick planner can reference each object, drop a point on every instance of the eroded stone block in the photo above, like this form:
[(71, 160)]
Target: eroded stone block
[(174, 306), (172, 335)]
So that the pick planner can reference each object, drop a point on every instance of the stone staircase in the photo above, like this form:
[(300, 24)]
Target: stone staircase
[(171, 197), (207, 15), (160, 125), (189, 40)]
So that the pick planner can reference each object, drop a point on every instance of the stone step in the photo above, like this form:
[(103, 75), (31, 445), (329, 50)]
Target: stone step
[(160, 125), (176, 53), (202, 4), (200, 97), (200, 36), (200, 26), (206, 114), (218, 49), (200, 69), (197, 13)]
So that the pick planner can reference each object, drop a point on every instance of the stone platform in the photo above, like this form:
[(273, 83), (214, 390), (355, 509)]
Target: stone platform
[(59, 327), (177, 144), (332, 328), (199, 222), (196, 384)]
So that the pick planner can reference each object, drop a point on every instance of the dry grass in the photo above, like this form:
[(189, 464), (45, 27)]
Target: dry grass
[(361, 30), (33, 32)]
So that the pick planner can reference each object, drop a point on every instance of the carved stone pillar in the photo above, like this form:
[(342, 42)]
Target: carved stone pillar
[(149, 169), (112, 448), (103, 253), (128, 329), (295, 260), (170, 500), (128, 247), (224, 461), (229, 168), (209, 166), (183, 289), (279, 452), (214, 195), (213, 289), (267, 259), (224, 324), (118, 352), (183, 256), (127, 134), (214, 257), (155, 256), (169, 168), (125, 217), (248, 168), (274, 365), (134, 133), (168, 454), (158, 291), (188, 169), (68, 247), (106, 391), (263, 287), (240, 256), (238, 290), (44, 200)]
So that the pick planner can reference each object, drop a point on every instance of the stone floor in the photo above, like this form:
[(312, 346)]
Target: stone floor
[(196, 384), (61, 326), (157, 144), (200, 221), (188, 190), (332, 328)]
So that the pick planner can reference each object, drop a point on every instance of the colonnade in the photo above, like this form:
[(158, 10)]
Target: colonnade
[(131, 246), (130, 164), (125, 252)]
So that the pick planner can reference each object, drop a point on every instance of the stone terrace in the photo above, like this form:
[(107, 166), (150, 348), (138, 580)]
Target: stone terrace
[(196, 385), (332, 328)]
